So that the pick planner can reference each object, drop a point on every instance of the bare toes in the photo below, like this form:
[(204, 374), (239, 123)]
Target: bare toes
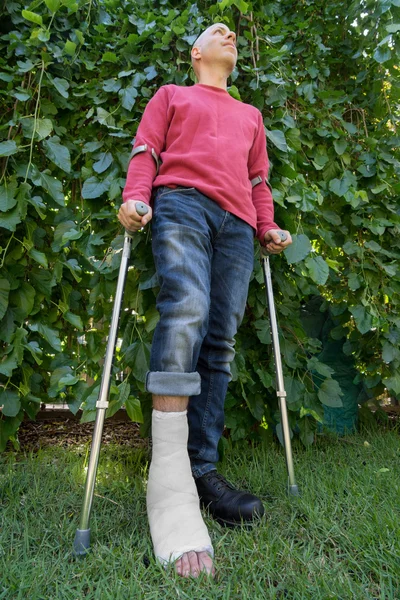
[(185, 565), (178, 566), (192, 563), (206, 563)]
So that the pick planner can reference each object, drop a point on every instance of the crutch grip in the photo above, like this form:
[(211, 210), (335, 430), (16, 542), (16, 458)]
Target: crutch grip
[(282, 235), (141, 209)]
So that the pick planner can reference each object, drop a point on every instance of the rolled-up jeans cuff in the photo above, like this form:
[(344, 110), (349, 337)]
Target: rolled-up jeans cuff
[(168, 383)]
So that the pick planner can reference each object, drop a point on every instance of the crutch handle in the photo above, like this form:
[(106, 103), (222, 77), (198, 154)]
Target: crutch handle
[(141, 209), (282, 235)]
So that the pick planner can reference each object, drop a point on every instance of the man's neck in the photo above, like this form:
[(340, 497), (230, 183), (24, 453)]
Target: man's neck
[(213, 79)]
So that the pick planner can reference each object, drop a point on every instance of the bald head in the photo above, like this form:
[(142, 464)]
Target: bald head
[(217, 30)]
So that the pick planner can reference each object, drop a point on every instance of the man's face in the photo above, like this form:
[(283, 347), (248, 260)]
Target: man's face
[(215, 45)]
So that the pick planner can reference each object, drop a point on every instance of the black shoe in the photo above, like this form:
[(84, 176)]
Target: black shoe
[(226, 504)]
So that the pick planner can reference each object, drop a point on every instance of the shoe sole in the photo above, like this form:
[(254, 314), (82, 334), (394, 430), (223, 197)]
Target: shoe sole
[(249, 524), (232, 524)]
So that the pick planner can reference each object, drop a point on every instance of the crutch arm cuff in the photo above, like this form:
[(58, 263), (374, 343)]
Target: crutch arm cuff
[(259, 179), (144, 148)]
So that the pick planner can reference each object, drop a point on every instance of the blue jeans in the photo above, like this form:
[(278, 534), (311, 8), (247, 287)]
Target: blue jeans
[(204, 260)]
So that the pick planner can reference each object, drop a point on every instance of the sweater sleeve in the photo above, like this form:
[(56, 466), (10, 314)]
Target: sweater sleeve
[(258, 165), (152, 131)]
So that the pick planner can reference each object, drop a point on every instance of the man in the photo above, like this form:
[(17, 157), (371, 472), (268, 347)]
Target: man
[(209, 198)]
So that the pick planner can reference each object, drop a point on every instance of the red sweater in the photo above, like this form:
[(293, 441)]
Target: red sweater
[(208, 140)]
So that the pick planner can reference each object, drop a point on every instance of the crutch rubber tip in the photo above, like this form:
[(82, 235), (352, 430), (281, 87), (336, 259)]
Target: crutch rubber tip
[(81, 542), (294, 490)]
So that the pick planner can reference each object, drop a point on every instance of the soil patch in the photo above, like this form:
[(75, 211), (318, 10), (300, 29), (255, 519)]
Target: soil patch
[(61, 428)]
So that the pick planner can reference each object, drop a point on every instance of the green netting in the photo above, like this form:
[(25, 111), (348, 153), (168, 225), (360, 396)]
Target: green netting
[(319, 322)]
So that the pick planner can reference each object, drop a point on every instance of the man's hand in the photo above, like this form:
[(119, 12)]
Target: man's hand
[(273, 242), (130, 219)]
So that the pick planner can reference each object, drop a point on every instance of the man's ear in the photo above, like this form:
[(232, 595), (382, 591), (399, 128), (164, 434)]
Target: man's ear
[(195, 53)]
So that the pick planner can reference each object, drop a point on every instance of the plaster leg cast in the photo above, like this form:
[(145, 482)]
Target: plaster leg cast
[(173, 505)]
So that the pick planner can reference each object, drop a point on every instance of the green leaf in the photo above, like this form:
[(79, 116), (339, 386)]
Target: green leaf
[(92, 146), (69, 48), (54, 187), (4, 293), (22, 96), (11, 219), (11, 402), (299, 249), (330, 393), (294, 392), (42, 281), (128, 97), (49, 334), (23, 300), (8, 148), (24, 67), (137, 356), (88, 415), (8, 429), (266, 378), (389, 352), (7, 195), (35, 350), (60, 378), (75, 320), (313, 364), (290, 353), (263, 331), (339, 186), (39, 128), (61, 86), (134, 409), (393, 27), (152, 317), (355, 281), (278, 139), (118, 400), (382, 55), (109, 57), (340, 146), (9, 364), (362, 318), (43, 128), (74, 268), (256, 405), (53, 5), (93, 188), (40, 257), (307, 431), (103, 163), (393, 383), (33, 17), (318, 269), (68, 379), (57, 153), (351, 248)]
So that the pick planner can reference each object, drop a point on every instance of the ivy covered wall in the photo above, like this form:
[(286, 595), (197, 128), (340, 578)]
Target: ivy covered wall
[(75, 78)]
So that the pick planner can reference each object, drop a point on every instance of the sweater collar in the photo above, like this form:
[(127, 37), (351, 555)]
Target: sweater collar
[(212, 87)]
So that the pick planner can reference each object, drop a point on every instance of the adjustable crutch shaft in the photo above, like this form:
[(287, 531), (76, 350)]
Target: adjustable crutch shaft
[(280, 387), (82, 535)]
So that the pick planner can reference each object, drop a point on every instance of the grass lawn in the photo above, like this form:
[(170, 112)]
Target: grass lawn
[(340, 539)]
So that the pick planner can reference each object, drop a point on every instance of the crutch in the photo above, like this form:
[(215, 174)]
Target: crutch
[(280, 389), (82, 535)]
